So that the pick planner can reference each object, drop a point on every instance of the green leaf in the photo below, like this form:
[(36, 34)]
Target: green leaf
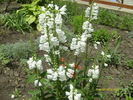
[(31, 78), (34, 92), (38, 27), (30, 19)]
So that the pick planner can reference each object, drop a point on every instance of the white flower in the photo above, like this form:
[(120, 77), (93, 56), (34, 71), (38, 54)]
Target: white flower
[(43, 38), (49, 71), (102, 53), (90, 80), (50, 24), (52, 75), (94, 72), (77, 97), (37, 83), (95, 46), (87, 12), (82, 46), (41, 19), (73, 95), (70, 73), (58, 19), (39, 65), (51, 5), (105, 64), (56, 7), (47, 58), (92, 12), (63, 9), (72, 65), (53, 41), (86, 25), (55, 76), (62, 73), (84, 37), (109, 56), (43, 8), (73, 44), (61, 35), (35, 64), (31, 63), (44, 46), (12, 96), (57, 52)]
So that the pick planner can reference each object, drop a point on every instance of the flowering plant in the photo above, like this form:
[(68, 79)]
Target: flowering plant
[(61, 80)]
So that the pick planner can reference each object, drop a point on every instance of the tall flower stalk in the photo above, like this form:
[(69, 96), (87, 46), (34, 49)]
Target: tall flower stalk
[(64, 80)]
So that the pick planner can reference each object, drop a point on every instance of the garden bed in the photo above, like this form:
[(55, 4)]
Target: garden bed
[(113, 77)]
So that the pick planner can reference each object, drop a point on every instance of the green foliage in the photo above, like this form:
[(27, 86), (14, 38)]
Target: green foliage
[(102, 35), (16, 93), (129, 98), (30, 13), (15, 52), (129, 63), (113, 19), (16, 22), (24, 1), (107, 17), (125, 91), (115, 55), (77, 22), (126, 23)]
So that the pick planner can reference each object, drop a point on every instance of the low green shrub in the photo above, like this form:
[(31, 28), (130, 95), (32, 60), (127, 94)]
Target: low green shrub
[(102, 35), (15, 52), (129, 63), (108, 17), (16, 22), (77, 22), (125, 91), (126, 23), (114, 19)]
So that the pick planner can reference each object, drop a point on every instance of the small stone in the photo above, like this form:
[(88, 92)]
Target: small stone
[(126, 31)]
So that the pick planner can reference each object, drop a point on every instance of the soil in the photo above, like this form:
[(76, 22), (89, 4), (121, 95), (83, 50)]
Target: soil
[(112, 77)]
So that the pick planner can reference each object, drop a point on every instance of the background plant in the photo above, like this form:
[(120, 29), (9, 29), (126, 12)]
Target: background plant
[(10, 53), (16, 22), (125, 91)]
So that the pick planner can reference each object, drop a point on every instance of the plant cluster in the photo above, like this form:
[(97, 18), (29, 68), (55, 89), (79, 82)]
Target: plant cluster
[(16, 22), (125, 91), (31, 12), (65, 80), (129, 63), (15, 52), (111, 18)]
